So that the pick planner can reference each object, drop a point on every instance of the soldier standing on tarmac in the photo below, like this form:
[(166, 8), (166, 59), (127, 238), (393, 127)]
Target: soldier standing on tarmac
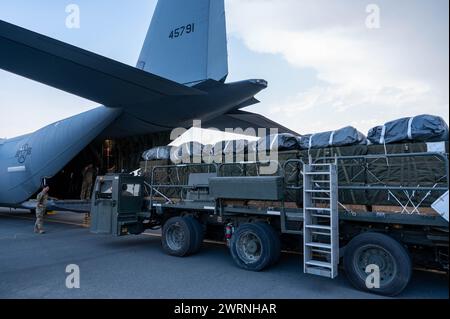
[(86, 187), (88, 176), (40, 210)]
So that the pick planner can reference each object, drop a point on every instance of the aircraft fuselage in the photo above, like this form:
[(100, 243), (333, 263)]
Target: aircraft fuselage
[(25, 161)]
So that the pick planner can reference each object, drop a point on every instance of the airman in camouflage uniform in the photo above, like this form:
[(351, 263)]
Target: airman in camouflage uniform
[(40, 210), (86, 187), (88, 178)]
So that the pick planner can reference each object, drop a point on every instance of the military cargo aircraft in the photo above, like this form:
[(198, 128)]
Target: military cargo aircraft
[(180, 76)]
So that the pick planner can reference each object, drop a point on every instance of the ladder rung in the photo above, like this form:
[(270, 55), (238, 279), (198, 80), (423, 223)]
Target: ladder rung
[(317, 173), (318, 245), (318, 227), (319, 215), (320, 198), (318, 209), (320, 236), (319, 264), (319, 251), (320, 233)]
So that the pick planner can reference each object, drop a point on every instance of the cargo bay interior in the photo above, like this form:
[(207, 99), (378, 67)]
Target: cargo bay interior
[(107, 155), (123, 154)]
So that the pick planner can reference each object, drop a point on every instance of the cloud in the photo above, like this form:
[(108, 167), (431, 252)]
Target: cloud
[(363, 74)]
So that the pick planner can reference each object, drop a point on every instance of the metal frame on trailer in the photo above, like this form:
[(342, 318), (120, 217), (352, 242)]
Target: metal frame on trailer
[(390, 189), (296, 215)]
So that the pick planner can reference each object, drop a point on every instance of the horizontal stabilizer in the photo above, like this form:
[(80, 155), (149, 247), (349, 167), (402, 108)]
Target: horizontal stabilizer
[(249, 102), (246, 120), (81, 72)]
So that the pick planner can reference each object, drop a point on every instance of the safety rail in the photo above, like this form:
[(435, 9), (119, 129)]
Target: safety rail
[(386, 157), (181, 180), (406, 199), (244, 171), (352, 172)]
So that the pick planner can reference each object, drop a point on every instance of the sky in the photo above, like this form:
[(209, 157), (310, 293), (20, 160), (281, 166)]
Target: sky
[(329, 63)]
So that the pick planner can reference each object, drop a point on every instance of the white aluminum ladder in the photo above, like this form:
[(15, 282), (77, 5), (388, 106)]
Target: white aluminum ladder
[(320, 220)]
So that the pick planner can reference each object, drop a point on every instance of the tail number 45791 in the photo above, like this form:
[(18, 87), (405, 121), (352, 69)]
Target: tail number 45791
[(178, 32)]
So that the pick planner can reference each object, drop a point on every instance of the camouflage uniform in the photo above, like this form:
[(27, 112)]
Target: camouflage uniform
[(40, 211), (86, 187)]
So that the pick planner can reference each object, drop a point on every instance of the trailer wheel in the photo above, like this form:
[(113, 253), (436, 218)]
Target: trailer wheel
[(198, 234), (276, 242), (255, 246), (392, 259), (178, 236)]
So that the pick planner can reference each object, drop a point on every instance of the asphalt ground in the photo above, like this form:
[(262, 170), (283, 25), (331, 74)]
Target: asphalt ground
[(34, 266)]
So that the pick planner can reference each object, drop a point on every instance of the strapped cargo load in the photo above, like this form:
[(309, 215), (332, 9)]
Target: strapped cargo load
[(421, 128), (399, 177), (407, 171), (186, 153), (211, 153), (343, 137), (234, 147), (157, 153), (276, 142)]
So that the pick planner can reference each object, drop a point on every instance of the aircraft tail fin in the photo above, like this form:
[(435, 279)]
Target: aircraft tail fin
[(187, 42)]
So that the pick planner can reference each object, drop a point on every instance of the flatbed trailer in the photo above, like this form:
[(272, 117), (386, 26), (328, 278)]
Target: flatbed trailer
[(377, 248)]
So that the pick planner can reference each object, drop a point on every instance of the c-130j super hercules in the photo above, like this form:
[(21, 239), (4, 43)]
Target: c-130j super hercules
[(330, 217), (180, 76)]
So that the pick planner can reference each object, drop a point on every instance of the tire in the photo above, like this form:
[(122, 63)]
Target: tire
[(178, 236), (255, 246), (198, 233), (276, 242), (382, 250)]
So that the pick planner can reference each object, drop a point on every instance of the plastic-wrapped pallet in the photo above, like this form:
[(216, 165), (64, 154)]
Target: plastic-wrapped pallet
[(276, 142), (212, 153), (412, 171), (234, 146), (421, 128), (350, 173), (235, 151), (157, 153), (343, 137), (275, 147), (156, 157), (187, 153)]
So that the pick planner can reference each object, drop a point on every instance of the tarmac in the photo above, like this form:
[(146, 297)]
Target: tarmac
[(34, 266)]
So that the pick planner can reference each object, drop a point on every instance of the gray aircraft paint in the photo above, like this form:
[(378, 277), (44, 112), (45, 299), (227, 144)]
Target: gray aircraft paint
[(24, 161), (136, 102), (195, 43)]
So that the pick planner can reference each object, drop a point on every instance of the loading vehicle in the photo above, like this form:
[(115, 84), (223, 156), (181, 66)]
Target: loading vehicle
[(258, 216)]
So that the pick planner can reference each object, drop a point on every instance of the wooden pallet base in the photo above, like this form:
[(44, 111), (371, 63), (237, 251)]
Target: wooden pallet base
[(428, 211)]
